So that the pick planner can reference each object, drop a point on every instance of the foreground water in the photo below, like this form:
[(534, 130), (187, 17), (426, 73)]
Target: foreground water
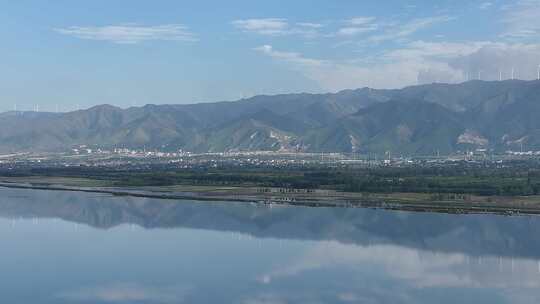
[(69, 247)]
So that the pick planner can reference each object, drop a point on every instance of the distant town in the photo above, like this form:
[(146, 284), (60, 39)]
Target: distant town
[(126, 158)]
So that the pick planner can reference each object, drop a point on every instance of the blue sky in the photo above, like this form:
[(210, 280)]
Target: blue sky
[(70, 54)]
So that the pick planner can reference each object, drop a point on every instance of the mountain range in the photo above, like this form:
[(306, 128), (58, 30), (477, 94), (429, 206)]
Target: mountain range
[(424, 119)]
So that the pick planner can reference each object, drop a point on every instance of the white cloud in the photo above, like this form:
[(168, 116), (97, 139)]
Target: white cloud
[(278, 27), (360, 20), (267, 26), (460, 61), (522, 20), (403, 30), (417, 61), (416, 268), (310, 25), (291, 57), (435, 49), (351, 31), (130, 34), (485, 5), (496, 60), (335, 76), (349, 27), (357, 25)]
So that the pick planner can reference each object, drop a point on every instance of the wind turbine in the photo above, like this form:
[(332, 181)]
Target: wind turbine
[(538, 77), (513, 70), (500, 75)]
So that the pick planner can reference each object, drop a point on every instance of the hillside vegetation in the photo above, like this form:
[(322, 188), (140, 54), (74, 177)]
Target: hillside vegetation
[(423, 119)]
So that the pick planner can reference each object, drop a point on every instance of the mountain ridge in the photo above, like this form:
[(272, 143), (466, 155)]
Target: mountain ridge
[(414, 120)]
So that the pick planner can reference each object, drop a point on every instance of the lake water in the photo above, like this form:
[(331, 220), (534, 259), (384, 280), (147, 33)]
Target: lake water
[(69, 247)]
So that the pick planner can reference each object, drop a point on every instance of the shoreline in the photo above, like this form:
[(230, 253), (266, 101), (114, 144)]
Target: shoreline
[(337, 201)]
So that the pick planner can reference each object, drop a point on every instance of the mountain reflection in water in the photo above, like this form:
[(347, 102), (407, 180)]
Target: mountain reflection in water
[(107, 249)]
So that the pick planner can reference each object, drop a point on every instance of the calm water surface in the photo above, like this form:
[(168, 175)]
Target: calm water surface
[(68, 247)]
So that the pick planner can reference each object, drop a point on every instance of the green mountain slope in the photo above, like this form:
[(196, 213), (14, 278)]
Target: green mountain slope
[(414, 120)]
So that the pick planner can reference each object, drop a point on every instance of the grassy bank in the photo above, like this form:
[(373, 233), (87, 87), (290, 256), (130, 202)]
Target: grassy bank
[(450, 181)]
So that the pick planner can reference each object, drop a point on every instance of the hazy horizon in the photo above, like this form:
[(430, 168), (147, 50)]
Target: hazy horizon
[(60, 110)]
